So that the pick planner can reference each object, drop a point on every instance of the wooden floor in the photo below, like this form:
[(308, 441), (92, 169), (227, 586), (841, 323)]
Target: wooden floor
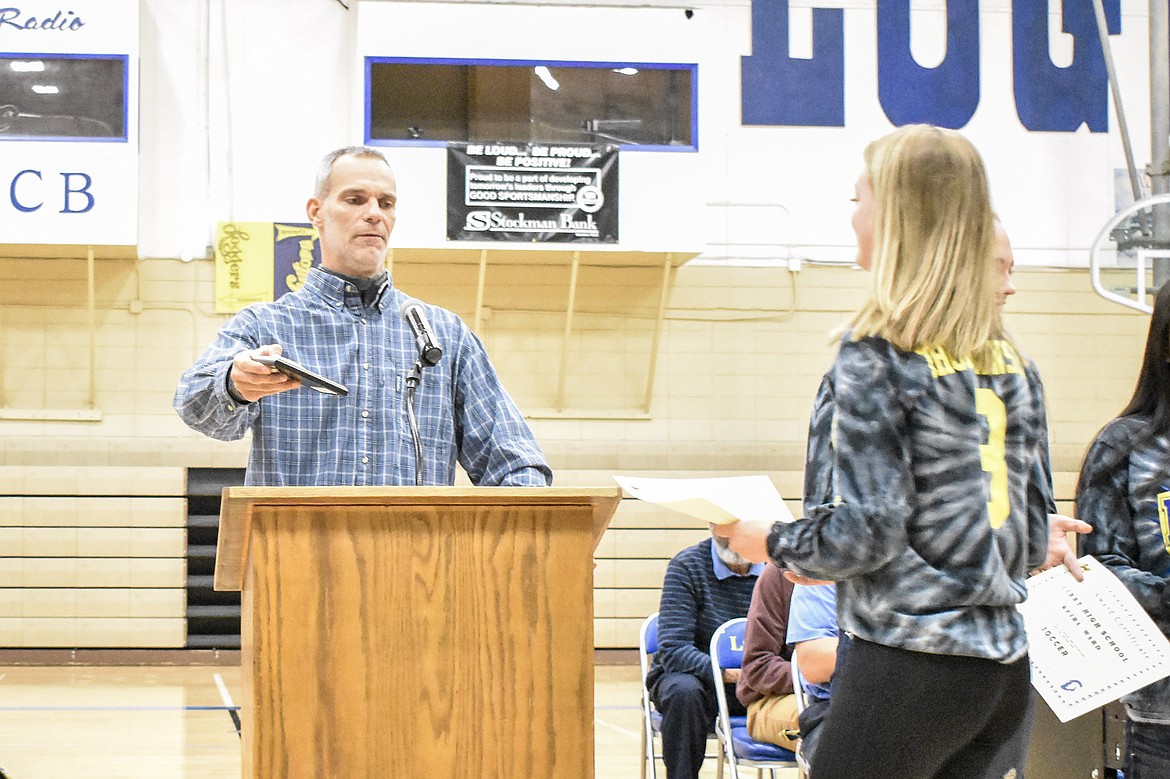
[(102, 722)]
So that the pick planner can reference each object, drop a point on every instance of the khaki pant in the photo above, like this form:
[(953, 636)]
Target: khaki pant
[(768, 719)]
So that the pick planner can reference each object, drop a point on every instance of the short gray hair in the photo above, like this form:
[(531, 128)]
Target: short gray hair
[(325, 170)]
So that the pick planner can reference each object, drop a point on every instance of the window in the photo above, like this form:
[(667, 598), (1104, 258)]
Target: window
[(431, 102), (63, 97)]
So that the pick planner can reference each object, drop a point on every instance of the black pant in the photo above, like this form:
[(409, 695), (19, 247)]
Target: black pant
[(688, 708), (915, 715), (1147, 750), (810, 721)]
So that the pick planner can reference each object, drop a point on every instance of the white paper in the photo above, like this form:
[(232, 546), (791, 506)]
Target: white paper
[(1090, 642), (720, 500)]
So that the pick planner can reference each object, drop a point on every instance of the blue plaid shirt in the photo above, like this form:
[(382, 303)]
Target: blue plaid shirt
[(305, 438)]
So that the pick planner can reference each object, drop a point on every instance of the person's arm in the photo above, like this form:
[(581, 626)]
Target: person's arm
[(766, 668), (813, 633), (1047, 546), (871, 466), (203, 399), (496, 446), (1103, 502), (817, 659), (678, 624), (818, 460), (1058, 551), (1044, 477)]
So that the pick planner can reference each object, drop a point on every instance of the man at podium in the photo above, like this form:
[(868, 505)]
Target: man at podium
[(405, 389)]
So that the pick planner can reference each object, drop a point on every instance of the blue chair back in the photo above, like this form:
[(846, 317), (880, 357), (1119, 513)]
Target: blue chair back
[(729, 644), (738, 747), (650, 634)]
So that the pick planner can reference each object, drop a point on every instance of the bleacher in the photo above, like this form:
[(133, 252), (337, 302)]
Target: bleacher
[(97, 557)]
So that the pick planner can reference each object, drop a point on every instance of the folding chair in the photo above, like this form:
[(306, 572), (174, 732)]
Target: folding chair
[(804, 771), (738, 747), (651, 719)]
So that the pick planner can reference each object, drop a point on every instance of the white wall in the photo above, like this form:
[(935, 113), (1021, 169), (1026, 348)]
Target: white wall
[(240, 99)]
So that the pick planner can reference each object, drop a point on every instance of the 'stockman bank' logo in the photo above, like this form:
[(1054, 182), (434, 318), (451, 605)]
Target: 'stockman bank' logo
[(494, 221)]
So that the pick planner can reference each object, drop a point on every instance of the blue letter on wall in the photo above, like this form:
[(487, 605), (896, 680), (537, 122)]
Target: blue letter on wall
[(19, 206), (1055, 99), (946, 95), (781, 90), (83, 191)]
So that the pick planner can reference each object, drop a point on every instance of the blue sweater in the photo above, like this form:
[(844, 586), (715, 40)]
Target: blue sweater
[(695, 602)]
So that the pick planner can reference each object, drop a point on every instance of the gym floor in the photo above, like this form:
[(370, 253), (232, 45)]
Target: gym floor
[(175, 722)]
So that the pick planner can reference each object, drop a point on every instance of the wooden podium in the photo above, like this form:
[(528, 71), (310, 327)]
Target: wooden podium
[(395, 632)]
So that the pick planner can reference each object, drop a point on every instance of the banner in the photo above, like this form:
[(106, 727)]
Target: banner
[(258, 262), (69, 122), (532, 193)]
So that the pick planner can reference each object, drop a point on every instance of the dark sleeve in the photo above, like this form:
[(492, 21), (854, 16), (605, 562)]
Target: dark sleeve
[(871, 466), (1103, 502), (767, 667), (1041, 502), (678, 623), (818, 461), (1045, 456)]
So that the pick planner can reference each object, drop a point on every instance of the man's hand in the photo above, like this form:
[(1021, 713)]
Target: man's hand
[(748, 537), (253, 380), (1059, 550)]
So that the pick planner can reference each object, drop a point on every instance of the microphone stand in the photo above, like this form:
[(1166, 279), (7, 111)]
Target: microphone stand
[(412, 381)]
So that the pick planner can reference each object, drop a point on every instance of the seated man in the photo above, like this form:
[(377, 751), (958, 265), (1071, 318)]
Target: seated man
[(813, 634), (765, 683), (706, 585)]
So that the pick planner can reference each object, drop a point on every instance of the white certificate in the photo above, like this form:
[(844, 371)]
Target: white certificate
[(1089, 642), (720, 500)]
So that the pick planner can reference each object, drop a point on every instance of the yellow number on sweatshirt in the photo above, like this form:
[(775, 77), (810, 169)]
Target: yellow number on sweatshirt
[(992, 454)]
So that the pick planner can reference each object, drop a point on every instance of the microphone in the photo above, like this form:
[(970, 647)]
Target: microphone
[(428, 354), (428, 348)]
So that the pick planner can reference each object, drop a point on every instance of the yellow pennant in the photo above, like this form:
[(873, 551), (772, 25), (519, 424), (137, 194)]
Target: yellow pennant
[(243, 265)]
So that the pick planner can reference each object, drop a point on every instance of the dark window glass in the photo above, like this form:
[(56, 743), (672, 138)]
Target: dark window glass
[(435, 101), (62, 97)]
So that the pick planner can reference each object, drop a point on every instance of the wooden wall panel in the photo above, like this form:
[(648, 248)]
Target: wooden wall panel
[(75, 632), (92, 557), (95, 557)]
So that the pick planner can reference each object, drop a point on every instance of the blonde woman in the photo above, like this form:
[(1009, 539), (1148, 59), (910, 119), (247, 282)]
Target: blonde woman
[(939, 479)]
